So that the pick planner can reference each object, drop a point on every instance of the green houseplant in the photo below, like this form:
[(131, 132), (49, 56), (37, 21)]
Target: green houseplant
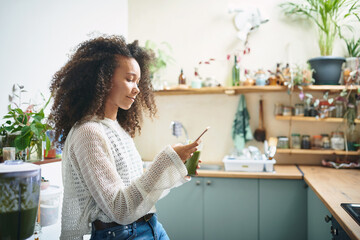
[(162, 58), (328, 16), (25, 129)]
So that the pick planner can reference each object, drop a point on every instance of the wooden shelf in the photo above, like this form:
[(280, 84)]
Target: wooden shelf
[(313, 119), (220, 90), (317, 152), (50, 160), (330, 88), (248, 89)]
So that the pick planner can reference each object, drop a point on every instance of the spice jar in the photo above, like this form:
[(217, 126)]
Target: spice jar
[(325, 141), (295, 141), (316, 143), (324, 109), (287, 111), (312, 111), (305, 142), (299, 109), (339, 109), (337, 141), (283, 142)]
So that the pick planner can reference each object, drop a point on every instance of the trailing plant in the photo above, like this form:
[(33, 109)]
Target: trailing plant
[(327, 15)]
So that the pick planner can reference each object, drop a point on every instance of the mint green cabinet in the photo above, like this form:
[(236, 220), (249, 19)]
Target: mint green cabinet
[(236, 208), (230, 208), (211, 208), (181, 211), (283, 209), (318, 228)]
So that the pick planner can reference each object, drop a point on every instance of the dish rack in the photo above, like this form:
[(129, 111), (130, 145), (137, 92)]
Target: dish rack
[(248, 165)]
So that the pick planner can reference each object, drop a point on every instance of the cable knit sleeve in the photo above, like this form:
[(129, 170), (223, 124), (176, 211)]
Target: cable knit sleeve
[(123, 204)]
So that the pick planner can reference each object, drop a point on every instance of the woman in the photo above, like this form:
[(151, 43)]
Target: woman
[(99, 96)]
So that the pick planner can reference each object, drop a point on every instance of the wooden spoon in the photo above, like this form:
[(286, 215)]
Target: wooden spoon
[(260, 133)]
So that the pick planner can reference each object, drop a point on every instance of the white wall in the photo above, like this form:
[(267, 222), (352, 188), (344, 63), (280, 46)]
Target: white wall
[(37, 36), (202, 29)]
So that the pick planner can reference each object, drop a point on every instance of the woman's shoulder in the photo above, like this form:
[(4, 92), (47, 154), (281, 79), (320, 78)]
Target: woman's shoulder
[(87, 127)]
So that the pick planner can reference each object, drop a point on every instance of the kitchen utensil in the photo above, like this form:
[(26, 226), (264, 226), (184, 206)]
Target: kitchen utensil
[(260, 133)]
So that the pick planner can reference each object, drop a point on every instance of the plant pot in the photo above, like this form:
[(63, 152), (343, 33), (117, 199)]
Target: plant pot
[(327, 69), (351, 66)]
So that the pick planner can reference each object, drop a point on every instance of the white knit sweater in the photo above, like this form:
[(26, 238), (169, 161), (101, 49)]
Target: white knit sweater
[(103, 178)]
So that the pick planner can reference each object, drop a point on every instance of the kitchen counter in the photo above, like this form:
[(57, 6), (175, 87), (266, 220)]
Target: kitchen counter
[(281, 172), (333, 187)]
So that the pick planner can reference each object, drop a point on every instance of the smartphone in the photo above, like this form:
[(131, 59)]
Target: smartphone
[(202, 133)]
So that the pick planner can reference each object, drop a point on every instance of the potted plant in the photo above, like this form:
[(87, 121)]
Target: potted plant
[(328, 16), (351, 71), (162, 58), (25, 129)]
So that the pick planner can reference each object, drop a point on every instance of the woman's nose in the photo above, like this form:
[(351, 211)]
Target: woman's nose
[(136, 89)]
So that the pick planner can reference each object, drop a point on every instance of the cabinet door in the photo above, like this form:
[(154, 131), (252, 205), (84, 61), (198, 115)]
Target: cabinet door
[(230, 208), (181, 211), (283, 209), (318, 229)]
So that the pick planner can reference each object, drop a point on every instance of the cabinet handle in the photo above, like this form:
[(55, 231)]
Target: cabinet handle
[(208, 183), (327, 218), (197, 182), (334, 231)]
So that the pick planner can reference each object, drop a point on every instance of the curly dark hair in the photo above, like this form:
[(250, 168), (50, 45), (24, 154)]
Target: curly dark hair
[(81, 87)]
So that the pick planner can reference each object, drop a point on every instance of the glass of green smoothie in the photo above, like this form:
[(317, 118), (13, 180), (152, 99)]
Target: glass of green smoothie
[(192, 163)]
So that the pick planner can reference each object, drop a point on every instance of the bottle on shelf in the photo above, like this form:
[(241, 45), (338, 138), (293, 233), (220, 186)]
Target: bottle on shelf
[(352, 136), (235, 73), (196, 81), (182, 78), (279, 75)]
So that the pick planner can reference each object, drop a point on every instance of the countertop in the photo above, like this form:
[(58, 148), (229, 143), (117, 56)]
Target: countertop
[(281, 172), (333, 187)]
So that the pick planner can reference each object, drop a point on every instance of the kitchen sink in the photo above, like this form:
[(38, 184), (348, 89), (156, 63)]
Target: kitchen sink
[(215, 167), (353, 209)]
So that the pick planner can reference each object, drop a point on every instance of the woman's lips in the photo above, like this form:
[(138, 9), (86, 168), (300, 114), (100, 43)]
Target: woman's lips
[(133, 99)]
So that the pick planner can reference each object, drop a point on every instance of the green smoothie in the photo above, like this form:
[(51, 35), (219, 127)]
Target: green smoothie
[(13, 229), (191, 163)]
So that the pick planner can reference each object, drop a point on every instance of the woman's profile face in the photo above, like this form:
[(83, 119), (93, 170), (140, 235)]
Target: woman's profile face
[(125, 82)]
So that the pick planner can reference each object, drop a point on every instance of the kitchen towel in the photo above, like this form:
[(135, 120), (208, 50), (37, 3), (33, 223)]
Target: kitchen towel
[(241, 131)]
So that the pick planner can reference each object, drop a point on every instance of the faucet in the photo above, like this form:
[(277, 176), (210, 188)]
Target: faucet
[(176, 129)]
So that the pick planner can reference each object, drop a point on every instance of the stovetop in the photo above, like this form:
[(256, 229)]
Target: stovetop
[(354, 210)]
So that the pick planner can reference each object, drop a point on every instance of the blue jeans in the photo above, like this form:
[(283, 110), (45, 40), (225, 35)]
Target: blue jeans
[(151, 229)]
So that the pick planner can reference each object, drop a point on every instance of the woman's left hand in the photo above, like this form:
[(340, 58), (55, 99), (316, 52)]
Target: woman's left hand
[(196, 173)]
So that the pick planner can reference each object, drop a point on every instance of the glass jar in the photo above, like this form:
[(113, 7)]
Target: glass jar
[(305, 142), (325, 141), (358, 108), (337, 141), (316, 142), (352, 138), (295, 141), (287, 111), (324, 109), (278, 109), (299, 109), (283, 142), (313, 112), (339, 109)]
